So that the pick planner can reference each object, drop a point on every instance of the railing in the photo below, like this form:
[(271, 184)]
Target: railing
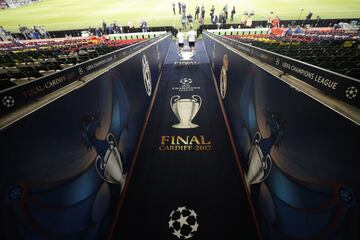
[(244, 31), (140, 35)]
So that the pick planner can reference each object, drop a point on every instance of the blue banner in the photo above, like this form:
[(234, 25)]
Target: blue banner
[(299, 156), (64, 165)]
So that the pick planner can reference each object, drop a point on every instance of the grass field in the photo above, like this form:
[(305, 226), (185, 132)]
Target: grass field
[(72, 14)]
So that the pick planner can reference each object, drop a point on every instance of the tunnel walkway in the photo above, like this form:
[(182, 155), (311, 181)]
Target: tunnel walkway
[(185, 182)]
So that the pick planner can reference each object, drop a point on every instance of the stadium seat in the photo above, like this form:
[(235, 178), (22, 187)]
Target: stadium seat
[(19, 81), (36, 59), (355, 73), (310, 60), (327, 64), (46, 72), (338, 55), (346, 64), (355, 58)]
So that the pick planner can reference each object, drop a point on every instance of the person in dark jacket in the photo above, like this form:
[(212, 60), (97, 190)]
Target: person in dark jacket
[(144, 26), (212, 11), (232, 14), (104, 27), (197, 11), (225, 9), (173, 6), (203, 11), (183, 6)]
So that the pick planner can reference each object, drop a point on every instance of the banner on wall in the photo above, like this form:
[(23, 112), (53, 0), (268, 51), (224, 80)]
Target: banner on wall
[(75, 154), (289, 146), (338, 86)]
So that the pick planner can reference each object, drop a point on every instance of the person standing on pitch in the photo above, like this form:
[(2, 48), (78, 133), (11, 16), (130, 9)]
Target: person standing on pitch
[(232, 14), (225, 9), (203, 11), (269, 20), (191, 39), (173, 5), (104, 26), (197, 11), (183, 22), (248, 22), (180, 40), (183, 6), (212, 11), (144, 26)]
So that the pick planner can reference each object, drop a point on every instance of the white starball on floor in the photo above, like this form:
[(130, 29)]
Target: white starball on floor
[(183, 222)]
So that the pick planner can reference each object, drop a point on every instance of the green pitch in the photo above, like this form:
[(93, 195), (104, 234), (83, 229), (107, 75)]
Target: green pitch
[(70, 14)]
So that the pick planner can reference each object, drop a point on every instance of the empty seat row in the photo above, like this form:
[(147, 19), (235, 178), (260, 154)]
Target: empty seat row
[(342, 56), (23, 65)]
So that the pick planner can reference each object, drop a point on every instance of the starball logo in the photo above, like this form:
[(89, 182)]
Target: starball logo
[(185, 81), (185, 86), (8, 101)]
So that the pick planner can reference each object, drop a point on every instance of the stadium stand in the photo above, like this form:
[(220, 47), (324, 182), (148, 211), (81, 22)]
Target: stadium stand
[(335, 51), (27, 61), (15, 3), (3, 4)]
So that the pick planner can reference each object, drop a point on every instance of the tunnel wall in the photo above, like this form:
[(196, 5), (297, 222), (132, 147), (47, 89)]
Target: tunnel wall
[(299, 156), (55, 181)]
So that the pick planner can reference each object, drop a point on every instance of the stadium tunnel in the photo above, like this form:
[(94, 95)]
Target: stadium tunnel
[(227, 141)]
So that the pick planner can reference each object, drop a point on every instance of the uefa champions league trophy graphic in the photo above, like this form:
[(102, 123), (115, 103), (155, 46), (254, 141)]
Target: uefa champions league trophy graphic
[(259, 165), (185, 110), (186, 54), (110, 168)]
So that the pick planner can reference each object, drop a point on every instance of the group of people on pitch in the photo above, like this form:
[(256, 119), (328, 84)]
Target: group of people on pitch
[(191, 38)]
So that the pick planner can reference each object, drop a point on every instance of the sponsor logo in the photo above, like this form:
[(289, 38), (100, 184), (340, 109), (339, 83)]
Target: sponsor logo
[(146, 75), (223, 76)]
